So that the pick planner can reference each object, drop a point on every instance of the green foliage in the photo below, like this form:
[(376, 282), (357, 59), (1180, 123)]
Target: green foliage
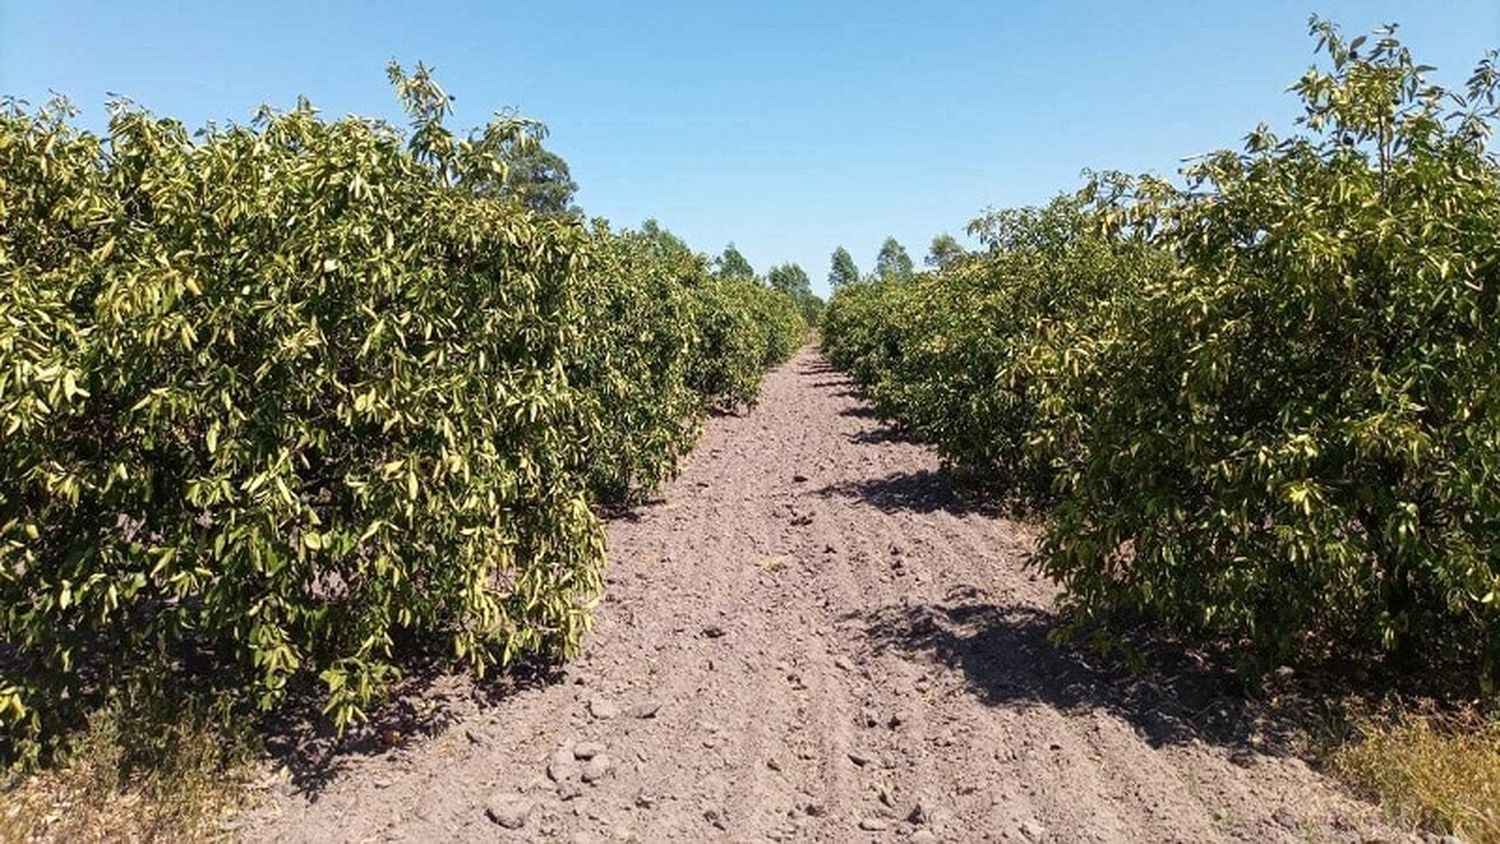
[(540, 180), (944, 253), (1265, 404), (865, 331), (746, 328), (1295, 435), (666, 340), (842, 270), (732, 264), (286, 390), (957, 355), (299, 394), (792, 280), (782, 323), (892, 263), (643, 300)]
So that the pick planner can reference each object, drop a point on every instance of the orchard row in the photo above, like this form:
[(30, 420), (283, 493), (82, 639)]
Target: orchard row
[(300, 398), (1259, 404)]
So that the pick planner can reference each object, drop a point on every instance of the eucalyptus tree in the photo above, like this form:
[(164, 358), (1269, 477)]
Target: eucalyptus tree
[(893, 263), (944, 252), (732, 264), (842, 270)]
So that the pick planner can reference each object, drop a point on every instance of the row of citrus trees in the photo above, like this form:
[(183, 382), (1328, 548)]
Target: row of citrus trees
[(292, 399), (1261, 405)]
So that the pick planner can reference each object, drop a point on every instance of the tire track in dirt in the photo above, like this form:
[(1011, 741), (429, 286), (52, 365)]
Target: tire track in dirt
[(807, 637)]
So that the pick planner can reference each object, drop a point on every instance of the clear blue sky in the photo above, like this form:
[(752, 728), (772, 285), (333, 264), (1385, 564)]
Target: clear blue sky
[(787, 127)]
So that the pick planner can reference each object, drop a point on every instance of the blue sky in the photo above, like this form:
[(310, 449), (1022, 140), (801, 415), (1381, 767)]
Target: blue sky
[(786, 127)]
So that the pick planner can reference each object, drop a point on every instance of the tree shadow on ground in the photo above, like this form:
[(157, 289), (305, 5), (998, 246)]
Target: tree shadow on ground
[(1006, 658), (876, 436), (924, 491), (427, 702), (631, 510), (860, 411), (821, 368)]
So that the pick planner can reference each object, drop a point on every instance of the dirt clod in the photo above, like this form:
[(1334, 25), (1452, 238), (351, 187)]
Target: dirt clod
[(595, 769), (645, 709), (508, 810), (921, 813), (562, 765), (1285, 817), (603, 708)]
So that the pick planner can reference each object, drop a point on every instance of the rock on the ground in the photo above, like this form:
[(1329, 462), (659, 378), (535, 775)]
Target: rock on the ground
[(603, 708), (588, 750), (645, 709), (596, 767), (562, 766), (508, 810), (1285, 818), (921, 813)]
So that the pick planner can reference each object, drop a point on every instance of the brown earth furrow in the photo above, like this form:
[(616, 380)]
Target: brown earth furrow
[(808, 637)]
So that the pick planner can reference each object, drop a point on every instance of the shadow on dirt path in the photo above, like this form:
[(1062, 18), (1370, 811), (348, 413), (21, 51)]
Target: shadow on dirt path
[(1007, 658), (924, 491)]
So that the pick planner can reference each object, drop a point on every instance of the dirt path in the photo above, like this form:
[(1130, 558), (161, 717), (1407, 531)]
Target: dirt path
[(807, 638)]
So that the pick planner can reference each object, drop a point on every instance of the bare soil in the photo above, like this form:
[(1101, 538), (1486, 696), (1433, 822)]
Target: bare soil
[(809, 637)]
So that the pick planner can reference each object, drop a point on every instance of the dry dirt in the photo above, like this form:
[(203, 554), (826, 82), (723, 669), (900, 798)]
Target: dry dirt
[(808, 637)]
